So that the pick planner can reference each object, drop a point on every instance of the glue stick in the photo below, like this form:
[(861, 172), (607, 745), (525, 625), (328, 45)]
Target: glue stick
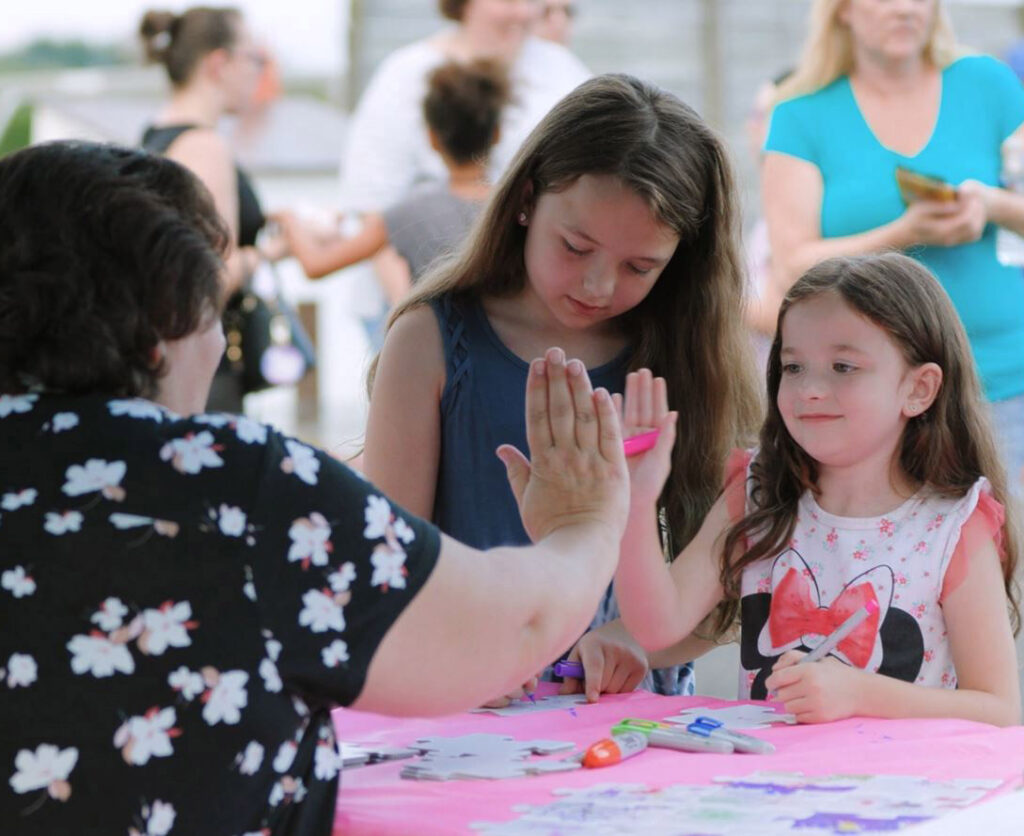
[(616, 748)]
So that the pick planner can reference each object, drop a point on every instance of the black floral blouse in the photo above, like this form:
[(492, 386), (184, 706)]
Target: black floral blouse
[(181, 603)]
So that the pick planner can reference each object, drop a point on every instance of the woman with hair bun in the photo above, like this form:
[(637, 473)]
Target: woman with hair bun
[(213, 66)]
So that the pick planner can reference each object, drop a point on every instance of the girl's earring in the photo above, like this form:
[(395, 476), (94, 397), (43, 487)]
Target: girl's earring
[(522, 219)]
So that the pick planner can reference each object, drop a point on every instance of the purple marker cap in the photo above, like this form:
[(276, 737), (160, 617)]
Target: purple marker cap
[(573, 670)]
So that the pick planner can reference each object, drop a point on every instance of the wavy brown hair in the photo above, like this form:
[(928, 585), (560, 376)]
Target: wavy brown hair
[(181, 41), (689, 329), (948, 448)]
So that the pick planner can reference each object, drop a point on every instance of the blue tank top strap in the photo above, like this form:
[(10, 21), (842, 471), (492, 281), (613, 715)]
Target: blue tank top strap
[(451, 320)]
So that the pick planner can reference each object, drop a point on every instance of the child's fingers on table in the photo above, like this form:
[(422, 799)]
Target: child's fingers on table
[(592, 659), (561, 414), (538, 425), (583, 404)]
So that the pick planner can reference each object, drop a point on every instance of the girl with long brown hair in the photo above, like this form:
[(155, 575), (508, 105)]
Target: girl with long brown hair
[(613, 236), (877, 488)]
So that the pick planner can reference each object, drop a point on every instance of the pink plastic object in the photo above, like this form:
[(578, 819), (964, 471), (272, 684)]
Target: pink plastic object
[(641, 443)]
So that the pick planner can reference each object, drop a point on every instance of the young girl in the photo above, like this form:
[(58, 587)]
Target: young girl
[(462, 110), (876, 483), (612, 236)]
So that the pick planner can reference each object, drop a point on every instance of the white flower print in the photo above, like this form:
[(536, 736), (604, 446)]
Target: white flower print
[(226, 699), (18, 582), (271, 677), (138, 408), (9, 404), (96, 475), (388, 566), (64, 421), (158, 818), (378, 517), (58, 523), (192, 453), (321, 612), (21, 670), (110, 615), (188, 683), (301, 461), (231, 521), (288, 789), (250, 761), (249, 588), (166, 627), (342, 579), (20, 499), (311, 540), (149, 736), (403, 532), (326, 761), (49, 766), (99, 656), (335, 653), (127, 521), (249, 431), (214, 419), (285, 756)]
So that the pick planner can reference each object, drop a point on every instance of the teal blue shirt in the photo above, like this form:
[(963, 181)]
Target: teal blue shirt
[(982, 103)]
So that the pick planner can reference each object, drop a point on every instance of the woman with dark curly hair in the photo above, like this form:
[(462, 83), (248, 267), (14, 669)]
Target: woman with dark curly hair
[(183, 600)]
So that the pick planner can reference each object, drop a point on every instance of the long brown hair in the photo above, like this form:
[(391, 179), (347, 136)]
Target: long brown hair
[(689, 329), (948, 448)]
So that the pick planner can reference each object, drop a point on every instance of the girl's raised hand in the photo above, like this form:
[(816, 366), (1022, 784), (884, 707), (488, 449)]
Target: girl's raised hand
[(645, 408), (577, 471)]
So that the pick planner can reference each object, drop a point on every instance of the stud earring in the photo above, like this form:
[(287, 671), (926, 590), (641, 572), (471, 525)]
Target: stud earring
[(522, 219)]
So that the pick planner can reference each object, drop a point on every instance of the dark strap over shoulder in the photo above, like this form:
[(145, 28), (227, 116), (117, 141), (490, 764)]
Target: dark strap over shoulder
[(158, 140)]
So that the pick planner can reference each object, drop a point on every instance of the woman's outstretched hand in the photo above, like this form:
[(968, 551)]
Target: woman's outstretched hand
[(576, 473)]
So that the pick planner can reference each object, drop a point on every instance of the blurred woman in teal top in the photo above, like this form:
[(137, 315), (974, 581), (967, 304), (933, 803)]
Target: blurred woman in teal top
[(882, 84)]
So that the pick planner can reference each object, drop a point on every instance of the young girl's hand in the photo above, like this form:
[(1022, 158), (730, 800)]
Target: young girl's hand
[(613, 662), (524, 690), (817, 692), (645, 408)]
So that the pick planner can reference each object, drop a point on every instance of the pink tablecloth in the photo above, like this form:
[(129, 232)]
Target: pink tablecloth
[(374, 800)]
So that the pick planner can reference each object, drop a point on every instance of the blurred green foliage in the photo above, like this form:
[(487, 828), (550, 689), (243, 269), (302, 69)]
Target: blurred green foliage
[(18, 131), (48, 54)]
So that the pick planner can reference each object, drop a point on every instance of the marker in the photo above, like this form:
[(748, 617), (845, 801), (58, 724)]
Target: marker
[(841, 632), (614, 749), (664, 736), (565, 668), (709, 726), (641, 443)]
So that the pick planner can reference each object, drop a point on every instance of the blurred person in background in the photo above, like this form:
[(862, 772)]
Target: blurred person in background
[(388, 150), (554, 23), (462, 109), (215, 69), (882, 84)]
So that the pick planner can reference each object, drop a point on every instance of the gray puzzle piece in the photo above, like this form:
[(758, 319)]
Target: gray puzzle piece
[(486, 756), (517, 708)]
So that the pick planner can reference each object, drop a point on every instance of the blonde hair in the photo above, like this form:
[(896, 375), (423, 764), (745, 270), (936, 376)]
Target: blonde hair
[(828, 51), (689, 329)]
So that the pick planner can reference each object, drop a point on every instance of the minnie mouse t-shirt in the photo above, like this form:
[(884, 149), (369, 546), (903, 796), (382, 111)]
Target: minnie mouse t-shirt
[(906, 561), (182, 601)]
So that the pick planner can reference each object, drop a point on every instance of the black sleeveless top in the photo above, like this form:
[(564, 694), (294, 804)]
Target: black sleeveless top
[(250, 215)]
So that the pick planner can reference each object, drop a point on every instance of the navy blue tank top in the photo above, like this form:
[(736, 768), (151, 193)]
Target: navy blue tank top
[(482, 407)]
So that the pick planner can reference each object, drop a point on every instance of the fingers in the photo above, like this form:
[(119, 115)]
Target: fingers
[(538, 427), (561, 413), (517, 469), (593, 668), (583, 405), (609, 428)]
